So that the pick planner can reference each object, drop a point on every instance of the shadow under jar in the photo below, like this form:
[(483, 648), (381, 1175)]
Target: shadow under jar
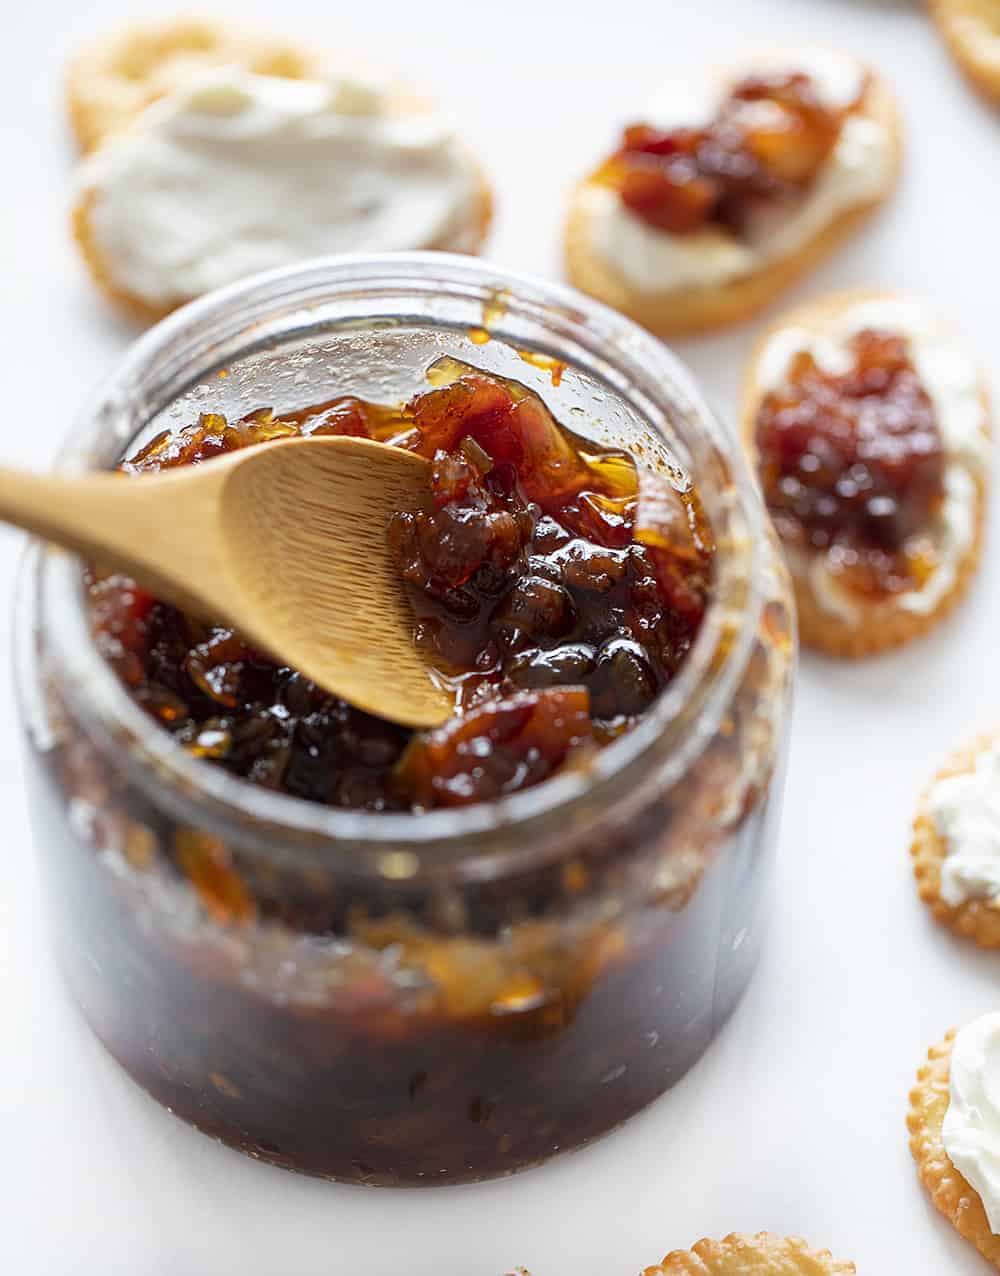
[(412, 998)]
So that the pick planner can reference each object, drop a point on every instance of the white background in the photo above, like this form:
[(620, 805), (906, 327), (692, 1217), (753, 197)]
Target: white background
[(794, 1121)]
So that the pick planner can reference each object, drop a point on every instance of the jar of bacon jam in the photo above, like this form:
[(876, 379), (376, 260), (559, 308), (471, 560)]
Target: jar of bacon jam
[(392, 958)]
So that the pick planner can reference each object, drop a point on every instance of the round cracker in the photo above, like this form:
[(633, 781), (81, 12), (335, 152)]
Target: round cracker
[(685, 311), (760, 1255), (971, 29), (976, 919), (139, 309), (951, 1193), (881, 626), (111, 81)]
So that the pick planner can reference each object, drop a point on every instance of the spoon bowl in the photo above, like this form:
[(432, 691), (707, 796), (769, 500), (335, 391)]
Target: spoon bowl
[(287, 543)]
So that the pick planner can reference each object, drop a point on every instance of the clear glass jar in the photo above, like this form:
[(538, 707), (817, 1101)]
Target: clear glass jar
[(412, 999)]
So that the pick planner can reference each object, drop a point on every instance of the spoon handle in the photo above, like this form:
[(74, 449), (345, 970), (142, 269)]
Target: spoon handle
[(75, 513), (148, 529)]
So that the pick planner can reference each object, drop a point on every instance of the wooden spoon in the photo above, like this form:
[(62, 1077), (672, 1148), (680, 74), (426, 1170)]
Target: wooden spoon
[(287, 543)]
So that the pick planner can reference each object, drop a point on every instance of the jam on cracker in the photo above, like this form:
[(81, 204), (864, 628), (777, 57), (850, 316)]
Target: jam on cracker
[(765, 145), (852, 464)]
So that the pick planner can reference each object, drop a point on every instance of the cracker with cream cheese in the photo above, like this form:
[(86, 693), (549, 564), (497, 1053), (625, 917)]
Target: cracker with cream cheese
[(871, 625), (215, 180), (688, 307), (972, 918), (952, 1194), (115, 78), (102, 268)]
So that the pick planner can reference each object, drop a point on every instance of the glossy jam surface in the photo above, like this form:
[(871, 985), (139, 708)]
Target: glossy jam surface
[(852, 464), (555, 588), (767, 141), (419, 1010)]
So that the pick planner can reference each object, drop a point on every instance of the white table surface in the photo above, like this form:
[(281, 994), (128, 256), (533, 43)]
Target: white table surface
[(794, 1121)]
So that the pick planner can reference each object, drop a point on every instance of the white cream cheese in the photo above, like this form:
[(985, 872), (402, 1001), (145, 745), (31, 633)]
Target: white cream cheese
[(234, 173), (952, 382), (965, 811), (971, 1127), (859, 170)]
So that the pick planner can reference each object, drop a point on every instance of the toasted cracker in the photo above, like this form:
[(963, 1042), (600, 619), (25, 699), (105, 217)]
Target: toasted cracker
[(976, 919), (957, 1200), (690, 310), (760, 1255), (112, 80), (102, 269), (880, 626), (971, 29)]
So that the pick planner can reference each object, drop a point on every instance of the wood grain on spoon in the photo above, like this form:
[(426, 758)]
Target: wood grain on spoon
[(287, 543)]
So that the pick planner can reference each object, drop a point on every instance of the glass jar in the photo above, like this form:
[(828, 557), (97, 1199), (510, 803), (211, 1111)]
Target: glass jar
[(399, 998)]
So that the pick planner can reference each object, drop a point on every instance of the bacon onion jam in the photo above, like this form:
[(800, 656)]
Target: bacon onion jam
[(400, 1000), (555, 588), (852, 465), (768, 140)]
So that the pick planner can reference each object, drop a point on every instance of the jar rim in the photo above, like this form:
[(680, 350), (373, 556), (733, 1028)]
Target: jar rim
[(637, 366)]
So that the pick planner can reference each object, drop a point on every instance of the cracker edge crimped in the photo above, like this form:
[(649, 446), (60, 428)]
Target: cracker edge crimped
[(692, 310), (952, 1194), (760, 1255), (975, 919), (882, 627)]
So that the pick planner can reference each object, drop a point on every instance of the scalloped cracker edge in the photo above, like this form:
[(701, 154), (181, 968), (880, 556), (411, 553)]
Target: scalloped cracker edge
[(975, 919), (760, 1255), (951, 1193)]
